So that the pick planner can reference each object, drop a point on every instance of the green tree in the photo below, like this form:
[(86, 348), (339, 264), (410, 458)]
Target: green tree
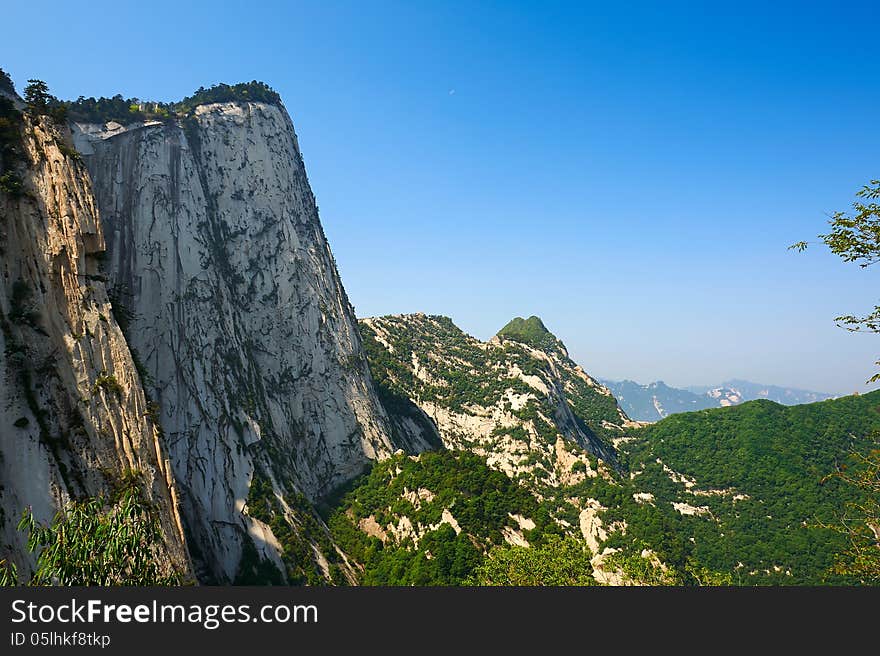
[(861, 522), (855, 237), (558, 561), (41, 102), (6, 84), (37, 96), (98, 541)]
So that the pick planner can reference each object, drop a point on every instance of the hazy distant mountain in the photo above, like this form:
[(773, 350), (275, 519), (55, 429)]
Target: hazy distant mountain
[(748, 391), (656, 400)]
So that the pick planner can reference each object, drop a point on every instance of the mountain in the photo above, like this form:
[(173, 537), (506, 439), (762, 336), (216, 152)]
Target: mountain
[(517, 399), (244, 332), (746, 490), (75, 420), (531, 332), (171, 317), (737, 494), (428, 520), (514, 422), (748, 391), (657, 400), (170, 256)]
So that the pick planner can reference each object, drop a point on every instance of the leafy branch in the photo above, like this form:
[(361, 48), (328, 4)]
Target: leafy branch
[(855, 237)]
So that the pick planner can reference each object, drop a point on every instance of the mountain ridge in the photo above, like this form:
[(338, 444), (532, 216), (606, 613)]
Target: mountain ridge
[(717, 496), (170, 307), (656, 400), (223, 306), (502, 397)]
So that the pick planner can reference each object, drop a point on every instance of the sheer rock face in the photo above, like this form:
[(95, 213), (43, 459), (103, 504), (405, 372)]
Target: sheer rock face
[(73, 415), (239, 316)]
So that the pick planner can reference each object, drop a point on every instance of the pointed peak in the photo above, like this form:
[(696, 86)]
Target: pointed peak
[(531, 331), (531, 326)]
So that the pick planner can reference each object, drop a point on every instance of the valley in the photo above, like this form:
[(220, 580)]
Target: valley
[(176, 334)]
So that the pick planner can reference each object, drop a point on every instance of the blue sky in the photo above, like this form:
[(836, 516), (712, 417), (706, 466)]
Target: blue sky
[(632, 174)]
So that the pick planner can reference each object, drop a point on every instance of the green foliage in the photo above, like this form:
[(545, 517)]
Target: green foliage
[(22, 308), (703, 576), (253, 91), (10, 183), (531, 331), (479, 498), (778, 457), (112, 540), (860, 523), (131, 110), (855, 238), (11, 147), (297, 539), (68, 150), (108, 383), (592, 407), (42, 103), (640, 570), (6, 84), (559, 561), (37, 96), (8, 574), (120, 306), (255, 570), (116, 109), (443, 558)]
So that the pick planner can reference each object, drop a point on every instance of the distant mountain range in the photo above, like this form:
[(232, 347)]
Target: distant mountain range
[(657, 400), (534, 447)]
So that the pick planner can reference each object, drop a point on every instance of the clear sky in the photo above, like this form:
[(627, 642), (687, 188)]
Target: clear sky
[(632, 174)]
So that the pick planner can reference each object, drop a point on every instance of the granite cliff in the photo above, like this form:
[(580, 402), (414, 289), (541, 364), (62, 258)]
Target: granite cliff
[(74, 418), (241, 325)]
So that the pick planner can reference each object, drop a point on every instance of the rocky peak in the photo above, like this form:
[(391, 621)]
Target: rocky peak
[(532, 332), (527, 408)]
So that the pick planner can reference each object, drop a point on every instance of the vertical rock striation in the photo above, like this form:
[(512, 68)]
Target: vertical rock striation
[(74, 419), (238, 316)]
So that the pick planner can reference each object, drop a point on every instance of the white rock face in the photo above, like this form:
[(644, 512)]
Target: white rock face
[(519, 401), (591, 525), (688, 509), (73, 415), (240, 318)]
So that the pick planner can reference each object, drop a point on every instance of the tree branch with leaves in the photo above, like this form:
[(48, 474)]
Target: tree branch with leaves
[(855, 237), (861, 520), (101, 540)]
